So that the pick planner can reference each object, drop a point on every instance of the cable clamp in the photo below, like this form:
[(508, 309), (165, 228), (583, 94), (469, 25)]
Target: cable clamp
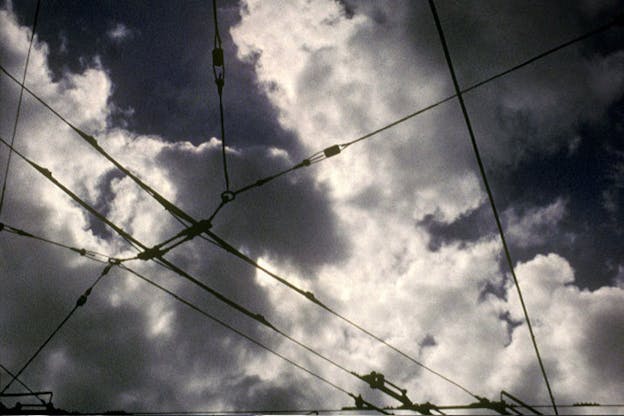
[(228, 196), (198, 228), (150, 253), (1, 226), (217, 57)]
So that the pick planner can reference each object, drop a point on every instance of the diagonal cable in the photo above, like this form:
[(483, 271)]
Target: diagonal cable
[(311, 297), (490, 196), (45, 172), (79, 303), (337, 148), (19, 106), (240, 333), (10, 373)]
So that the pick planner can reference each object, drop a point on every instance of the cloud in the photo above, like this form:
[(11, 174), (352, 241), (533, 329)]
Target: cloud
[(119, 33), (535, 225), (351, 229)]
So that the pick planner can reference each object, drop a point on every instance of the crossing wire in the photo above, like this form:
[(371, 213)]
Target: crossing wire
[(167, 264), (447, 99), (475, 147), (19, 105), (242, 334), (45, 172), (312, 298), (321, 155), (79, 303), (317, 157), (257, 317), (10, 373)]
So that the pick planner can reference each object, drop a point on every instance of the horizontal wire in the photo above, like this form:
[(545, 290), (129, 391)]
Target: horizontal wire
[(16, 378)]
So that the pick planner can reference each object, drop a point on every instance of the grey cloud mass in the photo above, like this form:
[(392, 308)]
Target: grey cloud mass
[(395, 233)]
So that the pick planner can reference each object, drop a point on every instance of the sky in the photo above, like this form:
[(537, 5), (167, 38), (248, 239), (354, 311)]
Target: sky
[(395, 233)]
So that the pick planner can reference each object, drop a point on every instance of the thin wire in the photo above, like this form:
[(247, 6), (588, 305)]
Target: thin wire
[(22, 383), (81, 251), (175, 211), (218, 69), (19, 105), (81, 301), (45, 172), (263, 181), (490, 195), (231, 328), (310, 296)]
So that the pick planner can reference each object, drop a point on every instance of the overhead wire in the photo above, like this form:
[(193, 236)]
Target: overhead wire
[(311, 297), (320, 156), (343, 145), (79, 303), (157, 255), (19, 106), (10, 373), (218, 69), (48, 175), (316, 157), (82, 251), (113, 261), (490, 195), (240, 333)]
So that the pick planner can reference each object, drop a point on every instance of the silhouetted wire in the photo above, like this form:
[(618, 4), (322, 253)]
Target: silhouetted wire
[(311, 297), (162, 261), (307, 162), (19, 106), (170, 207), (80, 302), (10, 373), (231, 328), (490, 195), (45, 172), (81, 251), (218, 69)]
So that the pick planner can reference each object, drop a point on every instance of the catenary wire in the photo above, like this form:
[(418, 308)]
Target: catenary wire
[(79, 303), (490, 195), (311, 297), (113, 261), (218, 69), (10, 373), (81, 251), (210, 290), (471, 87), (19, 105), (178, 213), (307, 162), (167, 264), (90, 140), (240, 333), (45, 172)]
